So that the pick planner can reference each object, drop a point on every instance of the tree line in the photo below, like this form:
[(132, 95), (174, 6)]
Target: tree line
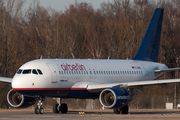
[(115, 30)]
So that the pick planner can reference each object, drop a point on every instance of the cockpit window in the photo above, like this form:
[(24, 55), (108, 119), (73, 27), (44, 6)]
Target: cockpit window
[(27, 71), (39, 71), (34, 72), (19, 71)]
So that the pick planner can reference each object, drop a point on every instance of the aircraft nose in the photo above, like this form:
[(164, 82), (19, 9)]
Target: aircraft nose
[(15, 82)]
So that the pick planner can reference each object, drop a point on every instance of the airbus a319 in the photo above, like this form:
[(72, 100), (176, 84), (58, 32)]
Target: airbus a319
[(113, 82)]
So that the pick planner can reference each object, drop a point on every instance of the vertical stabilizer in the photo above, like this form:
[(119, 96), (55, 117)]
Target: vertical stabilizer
[(149, 48)]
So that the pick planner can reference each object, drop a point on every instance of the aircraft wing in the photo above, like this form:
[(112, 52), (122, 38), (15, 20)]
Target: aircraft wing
[(100, 87), (5, 79)]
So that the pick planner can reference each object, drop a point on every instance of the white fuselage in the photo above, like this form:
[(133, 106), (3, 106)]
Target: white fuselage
[(64, 74)]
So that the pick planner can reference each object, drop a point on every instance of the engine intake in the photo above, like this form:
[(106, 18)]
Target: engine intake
[(19, 101), (114, 98)]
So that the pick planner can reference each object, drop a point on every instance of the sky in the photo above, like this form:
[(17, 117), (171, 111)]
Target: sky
[(60, 5)]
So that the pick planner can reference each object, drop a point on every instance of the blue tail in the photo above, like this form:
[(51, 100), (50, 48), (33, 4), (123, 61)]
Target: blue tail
[(149, 48)]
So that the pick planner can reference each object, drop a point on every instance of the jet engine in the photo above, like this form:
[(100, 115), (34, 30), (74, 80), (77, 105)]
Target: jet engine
[(19, 101), (114, 98)]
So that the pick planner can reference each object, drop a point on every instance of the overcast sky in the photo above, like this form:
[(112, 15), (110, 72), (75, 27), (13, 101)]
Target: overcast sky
[(61, 4)]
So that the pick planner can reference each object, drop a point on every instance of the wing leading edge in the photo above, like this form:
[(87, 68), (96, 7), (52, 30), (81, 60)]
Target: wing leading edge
[(100, 87), (5, 79)]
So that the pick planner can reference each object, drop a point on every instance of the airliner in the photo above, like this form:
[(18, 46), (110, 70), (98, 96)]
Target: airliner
[(113, 82)]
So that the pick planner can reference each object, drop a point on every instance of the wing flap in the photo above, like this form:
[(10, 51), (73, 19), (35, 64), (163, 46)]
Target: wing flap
[(6, 79)]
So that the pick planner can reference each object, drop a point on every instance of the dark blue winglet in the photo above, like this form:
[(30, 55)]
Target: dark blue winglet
[(149, 48)]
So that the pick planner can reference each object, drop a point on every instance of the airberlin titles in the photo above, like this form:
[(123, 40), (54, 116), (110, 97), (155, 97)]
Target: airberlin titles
[(73, 67)]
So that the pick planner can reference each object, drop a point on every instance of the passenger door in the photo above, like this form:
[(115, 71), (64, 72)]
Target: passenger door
[(53, 73)]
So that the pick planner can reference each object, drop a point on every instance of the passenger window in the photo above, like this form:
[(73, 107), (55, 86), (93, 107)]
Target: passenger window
[(27, 71), (19, 71), (39, 71), (34, 72)]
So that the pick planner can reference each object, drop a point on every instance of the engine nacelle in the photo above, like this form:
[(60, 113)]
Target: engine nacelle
[(114, 98), (19, 101)]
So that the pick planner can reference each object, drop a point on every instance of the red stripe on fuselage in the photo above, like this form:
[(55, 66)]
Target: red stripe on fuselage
[(49, 88)]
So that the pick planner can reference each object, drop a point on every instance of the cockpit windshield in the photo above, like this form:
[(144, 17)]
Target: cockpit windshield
[(27, 71), (30, 71), (19, 71), (39, 71), (34, 71)]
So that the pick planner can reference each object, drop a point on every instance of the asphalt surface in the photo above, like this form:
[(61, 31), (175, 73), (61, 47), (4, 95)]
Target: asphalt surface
[(90, 115)]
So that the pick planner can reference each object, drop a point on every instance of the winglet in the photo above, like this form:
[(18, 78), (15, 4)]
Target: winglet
[(149, 48)]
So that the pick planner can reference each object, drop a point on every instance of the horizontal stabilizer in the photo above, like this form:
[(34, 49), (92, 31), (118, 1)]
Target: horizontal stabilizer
[(167, 70)]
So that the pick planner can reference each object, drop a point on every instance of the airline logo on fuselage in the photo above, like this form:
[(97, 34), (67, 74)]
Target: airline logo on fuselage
[(73, 67)]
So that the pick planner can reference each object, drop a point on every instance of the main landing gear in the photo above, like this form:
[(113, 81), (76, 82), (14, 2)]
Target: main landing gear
[(58, 107), (39, 109), (124, 110)]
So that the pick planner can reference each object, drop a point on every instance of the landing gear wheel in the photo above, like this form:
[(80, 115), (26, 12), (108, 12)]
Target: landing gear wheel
[(55, 108), (116, 111), (125, 109), (41, 110), (36, 110), (63, 108)]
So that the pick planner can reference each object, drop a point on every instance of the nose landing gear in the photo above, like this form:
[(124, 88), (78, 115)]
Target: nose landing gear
[(39, 109)]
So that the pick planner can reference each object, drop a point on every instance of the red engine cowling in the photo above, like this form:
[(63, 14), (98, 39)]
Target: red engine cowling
[(19, 101)]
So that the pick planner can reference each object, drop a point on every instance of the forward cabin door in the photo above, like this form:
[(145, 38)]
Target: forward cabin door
[(53, 73)]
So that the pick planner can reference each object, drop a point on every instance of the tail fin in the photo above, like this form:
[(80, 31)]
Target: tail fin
[(149, 48)]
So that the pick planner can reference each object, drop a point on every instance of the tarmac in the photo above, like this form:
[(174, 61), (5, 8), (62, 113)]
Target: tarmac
[(134, 114)]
